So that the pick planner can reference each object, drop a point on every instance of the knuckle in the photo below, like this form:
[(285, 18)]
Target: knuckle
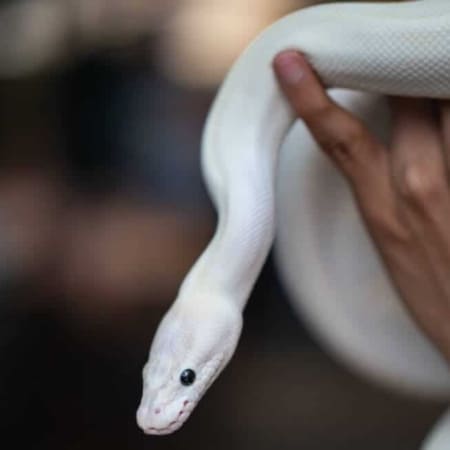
[(350, 146), (341, 136), (421, 187), (354, 134), (318, 112), (337, 149)]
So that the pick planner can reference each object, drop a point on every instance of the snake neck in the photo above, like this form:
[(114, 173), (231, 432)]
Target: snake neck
[(240, 170), (231, 263)]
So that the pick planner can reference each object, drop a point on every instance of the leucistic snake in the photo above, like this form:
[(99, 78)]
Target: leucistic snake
[(326, 260)]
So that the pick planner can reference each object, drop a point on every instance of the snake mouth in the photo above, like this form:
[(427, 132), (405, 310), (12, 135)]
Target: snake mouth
[(175, 424), (171, 428)]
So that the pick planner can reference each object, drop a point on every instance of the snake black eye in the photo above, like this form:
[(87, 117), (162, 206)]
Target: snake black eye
[(187, 377)]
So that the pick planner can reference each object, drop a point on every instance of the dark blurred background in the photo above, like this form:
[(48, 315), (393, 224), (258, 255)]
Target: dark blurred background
[(102, 212)]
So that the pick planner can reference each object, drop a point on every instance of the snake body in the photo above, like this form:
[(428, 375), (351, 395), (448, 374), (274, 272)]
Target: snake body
[(391, 48)]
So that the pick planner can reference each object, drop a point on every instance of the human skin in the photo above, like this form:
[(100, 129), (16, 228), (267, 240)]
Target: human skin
[(402, 190)]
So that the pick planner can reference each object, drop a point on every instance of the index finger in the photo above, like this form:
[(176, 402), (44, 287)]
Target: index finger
[(342, 136)]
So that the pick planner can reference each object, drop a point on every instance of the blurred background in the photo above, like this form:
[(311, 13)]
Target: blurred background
[(103, 211)]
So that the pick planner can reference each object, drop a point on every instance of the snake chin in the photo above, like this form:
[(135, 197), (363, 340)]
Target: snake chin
[(162, 431)]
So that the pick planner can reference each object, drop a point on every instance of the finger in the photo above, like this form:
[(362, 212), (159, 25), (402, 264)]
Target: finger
[(417, 160), (444, 107), (420, 176), (343, 137)]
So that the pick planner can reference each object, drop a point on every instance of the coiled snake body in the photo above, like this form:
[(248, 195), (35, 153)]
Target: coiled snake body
[(323, 251)]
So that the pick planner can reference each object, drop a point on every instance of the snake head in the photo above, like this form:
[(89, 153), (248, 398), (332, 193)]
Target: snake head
[(192, 345)]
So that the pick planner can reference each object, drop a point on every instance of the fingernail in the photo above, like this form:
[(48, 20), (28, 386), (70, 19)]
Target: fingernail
[(288, 67)]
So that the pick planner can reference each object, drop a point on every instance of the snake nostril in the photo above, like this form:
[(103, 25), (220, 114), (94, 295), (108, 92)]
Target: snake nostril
[(157, 411)]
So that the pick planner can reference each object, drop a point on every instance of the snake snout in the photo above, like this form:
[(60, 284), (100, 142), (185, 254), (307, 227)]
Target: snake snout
[(154, 419)]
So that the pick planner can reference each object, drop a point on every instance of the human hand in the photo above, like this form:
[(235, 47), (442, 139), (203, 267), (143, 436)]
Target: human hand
[(402, 191)]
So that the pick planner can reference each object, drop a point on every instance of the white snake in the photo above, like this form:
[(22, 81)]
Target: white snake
[(391, 48)]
